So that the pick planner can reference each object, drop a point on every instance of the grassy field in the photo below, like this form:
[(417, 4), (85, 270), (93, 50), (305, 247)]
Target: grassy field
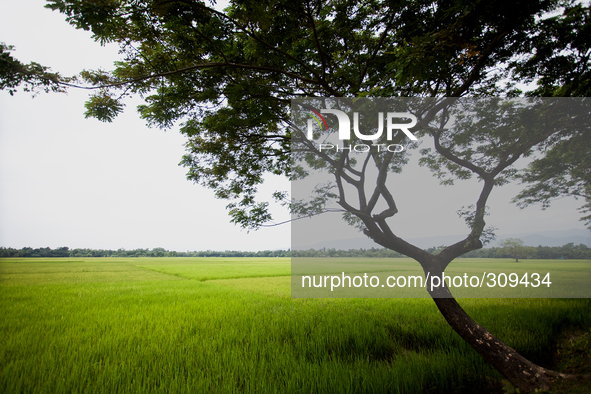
[(223, 325)]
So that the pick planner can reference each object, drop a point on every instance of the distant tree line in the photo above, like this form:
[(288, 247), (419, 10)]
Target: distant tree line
[(324, 252), (568, 251), (155, 252)]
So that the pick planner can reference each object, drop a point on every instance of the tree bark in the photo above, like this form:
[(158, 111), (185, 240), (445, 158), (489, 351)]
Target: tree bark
[(519, 371)]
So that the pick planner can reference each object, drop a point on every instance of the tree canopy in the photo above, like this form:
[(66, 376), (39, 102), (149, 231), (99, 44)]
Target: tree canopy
[(226, 77), (32, 77), (563, 170), (514, 247)]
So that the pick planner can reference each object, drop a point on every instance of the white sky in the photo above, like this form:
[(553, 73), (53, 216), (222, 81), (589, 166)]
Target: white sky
[(70, 181)]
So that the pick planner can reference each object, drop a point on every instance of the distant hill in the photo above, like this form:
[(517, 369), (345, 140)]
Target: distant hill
[(553, 238), (543, 238)]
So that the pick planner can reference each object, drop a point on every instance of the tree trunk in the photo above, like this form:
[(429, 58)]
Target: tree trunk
[(519, 371)]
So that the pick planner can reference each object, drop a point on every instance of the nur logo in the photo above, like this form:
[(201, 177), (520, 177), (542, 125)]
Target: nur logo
[(392, 124)]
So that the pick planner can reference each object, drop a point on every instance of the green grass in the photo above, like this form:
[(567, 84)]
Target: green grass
[(230, 325), (220, 267)]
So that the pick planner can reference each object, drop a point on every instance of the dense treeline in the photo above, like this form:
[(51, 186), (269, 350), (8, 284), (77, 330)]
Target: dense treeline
[(156, 252), (568, 251), (373, 252)]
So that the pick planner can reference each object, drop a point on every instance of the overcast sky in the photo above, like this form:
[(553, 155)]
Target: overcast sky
[(70, 181)]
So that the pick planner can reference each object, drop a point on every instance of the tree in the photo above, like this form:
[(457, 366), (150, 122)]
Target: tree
[(31, 77), (228, 77), (564, 168), (513, 247), (472, 137)]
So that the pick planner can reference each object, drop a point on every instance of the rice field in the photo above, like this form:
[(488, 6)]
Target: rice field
[(229, 325)]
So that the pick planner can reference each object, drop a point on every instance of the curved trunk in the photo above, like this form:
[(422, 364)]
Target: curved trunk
[(521, 372)]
